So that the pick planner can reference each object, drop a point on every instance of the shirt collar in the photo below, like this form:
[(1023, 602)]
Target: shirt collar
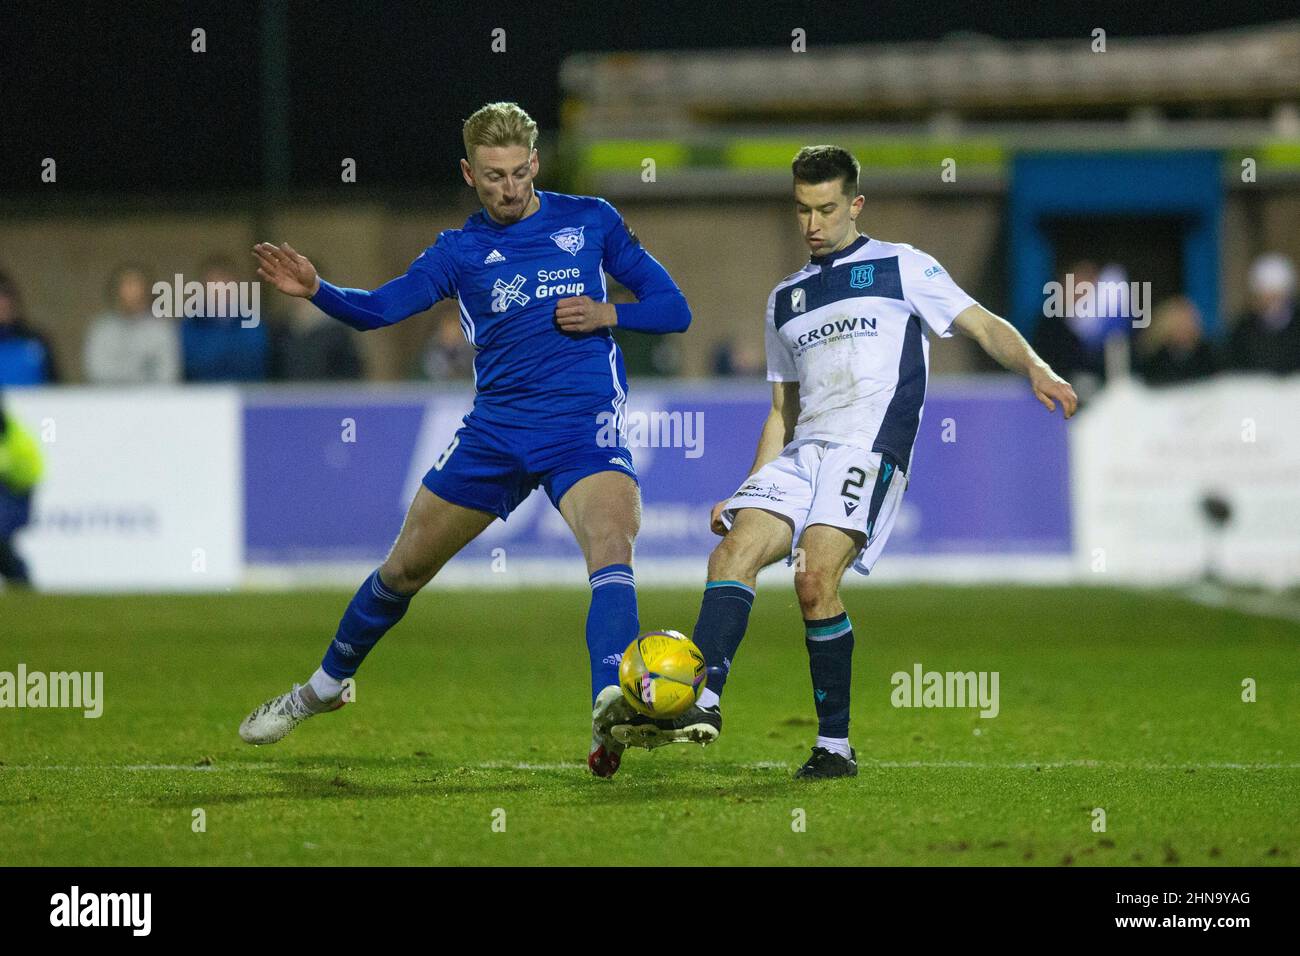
[(834, 257)]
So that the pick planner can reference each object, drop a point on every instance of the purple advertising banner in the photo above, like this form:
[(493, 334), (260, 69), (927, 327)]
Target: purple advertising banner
[(329, 474)]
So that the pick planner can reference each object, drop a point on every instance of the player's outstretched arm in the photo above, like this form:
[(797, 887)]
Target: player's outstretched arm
[(286, 269), (293, 274), (1008, 348)]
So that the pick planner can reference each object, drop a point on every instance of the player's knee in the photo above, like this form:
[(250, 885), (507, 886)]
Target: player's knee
[(722, 562), (734, 559), (403, 577), (816, 588), (610, 545)]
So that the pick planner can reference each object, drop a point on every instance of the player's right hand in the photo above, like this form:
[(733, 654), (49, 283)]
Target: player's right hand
[(286, 269), (715, 518), (1049, 388)]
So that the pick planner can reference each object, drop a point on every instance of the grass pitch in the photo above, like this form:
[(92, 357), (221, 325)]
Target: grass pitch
[(474, 712)]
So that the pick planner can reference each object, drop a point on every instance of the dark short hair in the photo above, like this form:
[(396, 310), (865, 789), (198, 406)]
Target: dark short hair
[(824, 164)]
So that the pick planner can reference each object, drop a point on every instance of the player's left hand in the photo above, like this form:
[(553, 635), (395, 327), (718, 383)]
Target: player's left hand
[(1049, 388), (584, 314)]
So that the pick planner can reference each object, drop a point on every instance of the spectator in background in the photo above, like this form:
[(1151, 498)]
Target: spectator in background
[(645, 354), (129, 345), (1066, 342), (1267, 337), (1112, 309), (25, 355), (308, 346), (449, 355), (20, 469), (218, 348), (1173, 349), (740, 359)]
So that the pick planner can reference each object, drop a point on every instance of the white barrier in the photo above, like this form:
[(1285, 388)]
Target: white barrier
[(142, 488), (144, 492), (1143, 462)]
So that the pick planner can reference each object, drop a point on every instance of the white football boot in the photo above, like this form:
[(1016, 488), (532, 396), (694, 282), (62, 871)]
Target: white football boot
[(274, 719), (606, 752), (699, 725)]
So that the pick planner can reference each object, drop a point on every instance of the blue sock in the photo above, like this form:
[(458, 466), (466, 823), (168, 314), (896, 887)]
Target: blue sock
[(611, 623), (830, 659), (724, 615), (374, 609)]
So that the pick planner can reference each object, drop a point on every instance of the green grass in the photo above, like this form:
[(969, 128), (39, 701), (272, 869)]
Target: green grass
[(1126, 701)]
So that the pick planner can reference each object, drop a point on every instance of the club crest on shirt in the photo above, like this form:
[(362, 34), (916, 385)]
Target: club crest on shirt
[(569, 239), (862, 276), (796, 300)]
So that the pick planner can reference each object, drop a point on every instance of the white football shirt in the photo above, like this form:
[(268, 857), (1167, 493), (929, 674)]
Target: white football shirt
[(850, 328)]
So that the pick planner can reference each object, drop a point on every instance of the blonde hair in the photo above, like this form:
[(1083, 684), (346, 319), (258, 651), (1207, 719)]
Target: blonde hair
[(499, 124)]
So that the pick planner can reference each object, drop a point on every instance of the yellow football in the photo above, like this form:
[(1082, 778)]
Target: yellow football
[(662, 674)]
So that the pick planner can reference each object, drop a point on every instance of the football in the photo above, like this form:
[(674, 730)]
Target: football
[(662, 673)]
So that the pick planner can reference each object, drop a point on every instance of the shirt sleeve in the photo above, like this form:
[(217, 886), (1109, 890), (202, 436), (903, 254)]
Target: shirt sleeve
[(931, 293), (430, 278), (780, 360), (660, 305)]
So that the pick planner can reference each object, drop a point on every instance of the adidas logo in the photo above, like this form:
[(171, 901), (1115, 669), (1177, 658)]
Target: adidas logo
[(614, 659), (493, 257), (621, 462)]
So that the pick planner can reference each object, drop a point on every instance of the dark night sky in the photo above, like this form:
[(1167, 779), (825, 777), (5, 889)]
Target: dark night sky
[(114, 94)]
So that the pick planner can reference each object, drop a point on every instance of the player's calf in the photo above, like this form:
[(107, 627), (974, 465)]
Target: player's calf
[(756, 538)]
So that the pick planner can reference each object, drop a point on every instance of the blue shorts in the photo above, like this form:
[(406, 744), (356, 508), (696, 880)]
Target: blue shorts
[(493, 467)]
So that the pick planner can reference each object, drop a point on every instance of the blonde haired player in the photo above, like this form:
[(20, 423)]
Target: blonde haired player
[(528, 274), (848, 357)]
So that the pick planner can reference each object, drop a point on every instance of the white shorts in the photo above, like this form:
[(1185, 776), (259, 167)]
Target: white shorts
[(819, 482)]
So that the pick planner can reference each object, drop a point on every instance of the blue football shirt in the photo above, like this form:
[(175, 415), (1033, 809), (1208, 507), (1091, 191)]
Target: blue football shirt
[(506, 280)]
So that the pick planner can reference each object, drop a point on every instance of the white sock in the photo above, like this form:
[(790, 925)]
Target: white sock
[(325, 688), (709, 699), (836, 745)]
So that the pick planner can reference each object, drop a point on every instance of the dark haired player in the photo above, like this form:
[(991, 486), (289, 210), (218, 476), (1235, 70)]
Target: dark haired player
[(848, 355)]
